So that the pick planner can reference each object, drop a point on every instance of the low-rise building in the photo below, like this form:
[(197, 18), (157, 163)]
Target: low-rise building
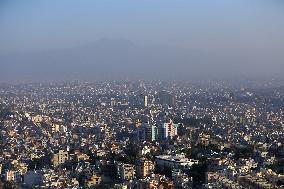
[(177, 161)]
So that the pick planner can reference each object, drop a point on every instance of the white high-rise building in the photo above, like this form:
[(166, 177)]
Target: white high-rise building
[(168, 130), (145, 101)]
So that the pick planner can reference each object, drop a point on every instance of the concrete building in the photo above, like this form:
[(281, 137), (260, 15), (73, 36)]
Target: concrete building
[(147, 133), (126, 171), (60, 158), (166, 98), (168, 130), (177, 161), (144, 167), (12, 176), (94, 181), (145, 101)]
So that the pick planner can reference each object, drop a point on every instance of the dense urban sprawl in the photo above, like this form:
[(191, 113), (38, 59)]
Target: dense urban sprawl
[(141, 135)]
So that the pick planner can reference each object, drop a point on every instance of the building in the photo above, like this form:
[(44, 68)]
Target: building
[(168, 130), (120, 186), (145, 101), (147, 133), (94, 181), (155, 181), (60, 158), (82, 157), (177, 161), (217, 180), (181, 179), (167, 99), (12, 176), (126, 171), (140, 100), (144, 167)]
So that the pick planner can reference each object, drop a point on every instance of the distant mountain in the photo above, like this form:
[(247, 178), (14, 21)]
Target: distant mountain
[(103, 59), (109, 59)]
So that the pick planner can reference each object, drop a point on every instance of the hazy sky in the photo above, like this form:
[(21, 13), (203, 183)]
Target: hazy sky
[(250, 31)]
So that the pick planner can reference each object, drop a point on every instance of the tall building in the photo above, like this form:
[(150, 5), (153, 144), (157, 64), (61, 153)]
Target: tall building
[(60, 158), (142, 100), (146, 132), (166, 98), (145, 101), (168, 130), (144, 167)]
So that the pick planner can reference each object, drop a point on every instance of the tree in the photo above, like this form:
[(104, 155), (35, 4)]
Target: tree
[(197, 171), (243, 152), (132, 152)]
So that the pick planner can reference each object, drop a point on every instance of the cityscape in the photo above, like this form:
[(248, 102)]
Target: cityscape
[(141, 94), (142, 134)]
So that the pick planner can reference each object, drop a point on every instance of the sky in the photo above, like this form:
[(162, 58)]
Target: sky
[(227, 36)]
